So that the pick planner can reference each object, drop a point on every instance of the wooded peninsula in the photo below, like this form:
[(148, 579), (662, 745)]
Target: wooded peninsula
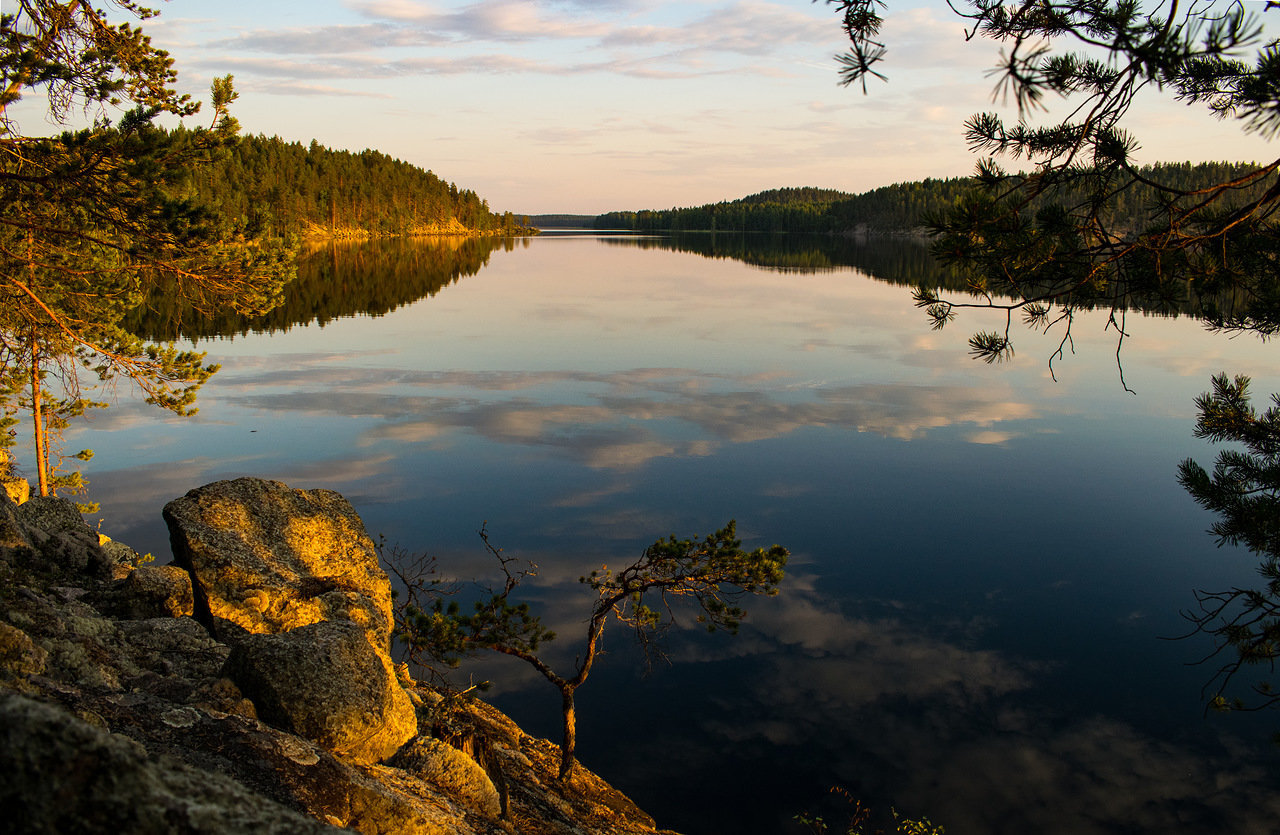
[(288, 188), (902, 207)]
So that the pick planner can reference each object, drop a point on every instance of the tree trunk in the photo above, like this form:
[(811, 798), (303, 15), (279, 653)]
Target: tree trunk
[(37, 419), (570, 734)]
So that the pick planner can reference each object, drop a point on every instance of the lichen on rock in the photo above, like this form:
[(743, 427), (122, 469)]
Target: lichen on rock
[(266, 557), (62, 774), (324, 681), (447, 767)]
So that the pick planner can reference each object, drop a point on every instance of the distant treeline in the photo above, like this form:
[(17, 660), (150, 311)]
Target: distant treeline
[(905, 261), (776, 210), (562, 221), (899, 208), (266, 183)]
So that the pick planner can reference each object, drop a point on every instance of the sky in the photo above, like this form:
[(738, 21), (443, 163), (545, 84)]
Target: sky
[(586, 106)]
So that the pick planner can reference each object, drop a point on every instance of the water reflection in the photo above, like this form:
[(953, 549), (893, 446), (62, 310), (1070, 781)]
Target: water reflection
[(903, 261), (959, 732), (1244, 494), (335, 279), (970, 544), (625, 419), (891, 703)]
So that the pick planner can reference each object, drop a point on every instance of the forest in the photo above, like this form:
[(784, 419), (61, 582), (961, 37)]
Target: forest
[(775, 210), (265, 184), (898, 208)]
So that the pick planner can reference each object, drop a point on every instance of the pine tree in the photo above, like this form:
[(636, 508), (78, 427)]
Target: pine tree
[(1244, 492), (711, 574), (1046, 244), (96, 218)]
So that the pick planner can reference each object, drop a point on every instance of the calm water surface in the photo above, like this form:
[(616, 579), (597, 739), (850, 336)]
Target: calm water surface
[(985, 561)]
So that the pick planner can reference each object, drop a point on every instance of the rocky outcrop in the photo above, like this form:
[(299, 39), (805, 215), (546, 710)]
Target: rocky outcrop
[(119, 712), (48, 535), (18, 489), (440, 763), (150, 591), (66, 775), (324, 682), (268, 558), (296, 570)]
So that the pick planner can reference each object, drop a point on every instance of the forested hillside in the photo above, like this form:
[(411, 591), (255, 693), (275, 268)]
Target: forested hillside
[(776, 210), (898, 208), (266, 183)]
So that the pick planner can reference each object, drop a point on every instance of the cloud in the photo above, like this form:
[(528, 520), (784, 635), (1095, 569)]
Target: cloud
[(747, 28), (607, 38), (367, 67), (1094, 776), (991, 437), (497, 20), (586, 498), (837, 662), (825, 107), (920, 39), (295, 89), (331, 40), (628, 418), (562, 135)]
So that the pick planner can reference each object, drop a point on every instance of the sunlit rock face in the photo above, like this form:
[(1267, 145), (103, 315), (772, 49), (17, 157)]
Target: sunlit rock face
[(443, 765), (324, 681), (16, 488), (296, 569), (154, 591), (268, 558)]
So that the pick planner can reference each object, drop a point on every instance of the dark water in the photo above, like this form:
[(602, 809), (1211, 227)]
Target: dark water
[(985, 561)]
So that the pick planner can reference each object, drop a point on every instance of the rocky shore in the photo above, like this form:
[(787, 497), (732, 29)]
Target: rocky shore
[(248, 687)]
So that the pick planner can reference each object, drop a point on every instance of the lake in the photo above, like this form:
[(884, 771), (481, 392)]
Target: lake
[(986, 562)]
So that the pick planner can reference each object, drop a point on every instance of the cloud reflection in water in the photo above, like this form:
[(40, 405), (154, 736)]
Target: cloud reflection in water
[(896, 706), (634, 416)]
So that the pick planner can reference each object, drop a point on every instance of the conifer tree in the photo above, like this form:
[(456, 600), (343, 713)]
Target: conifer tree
[(96, 218), (711, 574), (1045, 244), (1061, 238), (1244, 491)]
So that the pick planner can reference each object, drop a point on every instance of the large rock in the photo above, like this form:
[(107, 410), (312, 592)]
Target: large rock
[(453, 771), (64, 775), (11, 533), (49, 534), (296, 570), (186, 750), (17, 489), (152, 591), (325, 682), (19, 655), (269, 558)]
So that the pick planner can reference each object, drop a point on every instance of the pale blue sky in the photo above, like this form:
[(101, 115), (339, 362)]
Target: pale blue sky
[(592, 105)]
